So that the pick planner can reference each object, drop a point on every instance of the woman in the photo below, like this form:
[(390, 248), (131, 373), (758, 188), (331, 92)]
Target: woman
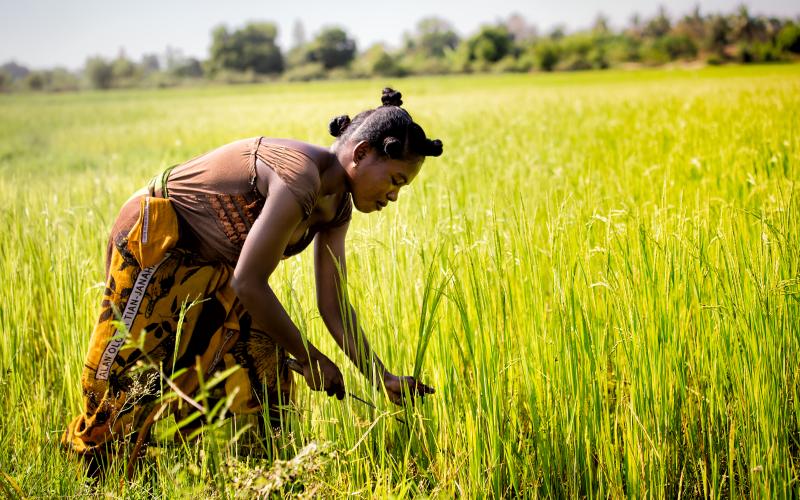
[(187, 268)]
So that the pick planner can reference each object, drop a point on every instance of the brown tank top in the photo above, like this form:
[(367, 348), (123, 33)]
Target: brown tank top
[(217, 201)]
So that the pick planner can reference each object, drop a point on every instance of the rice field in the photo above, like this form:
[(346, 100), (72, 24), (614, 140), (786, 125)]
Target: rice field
[(600, 277)]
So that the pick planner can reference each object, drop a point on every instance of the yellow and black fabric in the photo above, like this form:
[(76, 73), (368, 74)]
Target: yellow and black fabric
[(138, 340)]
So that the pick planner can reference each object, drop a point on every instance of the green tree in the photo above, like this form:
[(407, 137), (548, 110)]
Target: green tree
[(789, 38), (251, 48), (490, 44), (180, 66), (434, 37), (332, 48), (35, 80), (717, 34), (6, 80), (123, 68), (581, 51), (187, 68), (745, 28), (546, 55), (679, 46), (377, 61), (61, 79), (99, 73), (668, 48), (659, 25), (692, 25)]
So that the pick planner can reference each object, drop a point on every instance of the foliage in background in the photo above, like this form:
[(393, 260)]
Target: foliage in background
[(250, 54), (251, 48), (331, 51)]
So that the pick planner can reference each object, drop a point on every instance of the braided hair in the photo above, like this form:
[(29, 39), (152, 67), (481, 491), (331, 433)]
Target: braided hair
[(388, 129)]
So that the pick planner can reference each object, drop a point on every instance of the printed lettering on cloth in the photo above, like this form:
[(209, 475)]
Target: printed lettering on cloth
[(131, 309)]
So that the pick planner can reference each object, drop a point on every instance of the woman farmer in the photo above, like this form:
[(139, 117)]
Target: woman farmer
[(187, 267)]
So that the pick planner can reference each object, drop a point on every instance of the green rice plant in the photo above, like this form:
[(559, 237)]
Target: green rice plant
[(599, 277), (427, 324)]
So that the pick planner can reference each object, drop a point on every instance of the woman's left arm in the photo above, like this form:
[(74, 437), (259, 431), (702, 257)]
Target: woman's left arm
[(340, 317)]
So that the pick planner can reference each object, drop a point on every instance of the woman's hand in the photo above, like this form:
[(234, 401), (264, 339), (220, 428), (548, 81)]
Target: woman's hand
[(398, 387), (322, 374)]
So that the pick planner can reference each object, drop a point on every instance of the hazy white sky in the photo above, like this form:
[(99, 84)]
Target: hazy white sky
[(47, 33)]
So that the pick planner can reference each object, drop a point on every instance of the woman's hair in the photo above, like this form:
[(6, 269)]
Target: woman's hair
[(389, 129)]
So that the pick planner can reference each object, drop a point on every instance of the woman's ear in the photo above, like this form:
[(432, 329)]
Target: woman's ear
[(360, 151)]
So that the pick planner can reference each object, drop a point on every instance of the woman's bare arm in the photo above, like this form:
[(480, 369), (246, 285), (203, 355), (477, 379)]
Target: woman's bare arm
[(261, 253), (340, 317)]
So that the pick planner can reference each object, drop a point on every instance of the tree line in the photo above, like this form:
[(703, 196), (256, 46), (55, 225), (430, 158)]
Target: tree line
[(250, 53)]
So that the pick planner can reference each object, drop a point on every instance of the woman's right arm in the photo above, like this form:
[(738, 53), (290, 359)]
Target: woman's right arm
[(262, 251)]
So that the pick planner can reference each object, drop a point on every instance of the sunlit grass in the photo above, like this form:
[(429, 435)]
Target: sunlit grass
[(616, 253)]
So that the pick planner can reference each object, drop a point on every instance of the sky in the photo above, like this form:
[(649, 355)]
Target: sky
[(48, 33)]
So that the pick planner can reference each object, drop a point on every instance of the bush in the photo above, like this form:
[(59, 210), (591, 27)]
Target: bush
[(236, 77), (341, 73), (61, 80), (123, 68), (378, 62), (574, 62), (668, 48), (622, 49), (6, 81), (187, 68), (758, 52), (582, 51), (160, 79), (55, 80), (460, 59), (678, 46), (508, 64), (526, 61), (427, 65), (789, 38), (99, 73), (651, 52), (546, 54), (306, 72), (35, 80), (387, 65), (598, 58)]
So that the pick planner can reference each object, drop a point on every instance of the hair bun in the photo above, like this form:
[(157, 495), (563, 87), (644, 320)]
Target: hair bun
[(393, 147), (391, 97), (338, 124), (434, 148)]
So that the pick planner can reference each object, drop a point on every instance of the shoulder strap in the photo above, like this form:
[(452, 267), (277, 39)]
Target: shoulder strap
[(161, 181)]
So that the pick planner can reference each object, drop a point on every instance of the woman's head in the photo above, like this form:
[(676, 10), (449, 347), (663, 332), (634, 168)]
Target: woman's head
[(383, 150)]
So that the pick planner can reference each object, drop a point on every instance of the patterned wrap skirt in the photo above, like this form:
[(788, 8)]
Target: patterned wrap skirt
[(167, 314)]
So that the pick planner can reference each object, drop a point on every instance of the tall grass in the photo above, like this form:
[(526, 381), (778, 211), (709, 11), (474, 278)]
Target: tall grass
[(600, 277)]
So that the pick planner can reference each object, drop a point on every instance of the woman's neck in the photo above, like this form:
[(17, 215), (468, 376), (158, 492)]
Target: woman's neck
[(333, 176)]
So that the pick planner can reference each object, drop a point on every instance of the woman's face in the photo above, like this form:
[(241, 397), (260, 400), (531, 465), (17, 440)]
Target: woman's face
[(375, 180)]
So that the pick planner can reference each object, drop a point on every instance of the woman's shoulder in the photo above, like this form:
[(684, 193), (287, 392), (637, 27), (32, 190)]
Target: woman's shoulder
[(316, 154), (298, 166)]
